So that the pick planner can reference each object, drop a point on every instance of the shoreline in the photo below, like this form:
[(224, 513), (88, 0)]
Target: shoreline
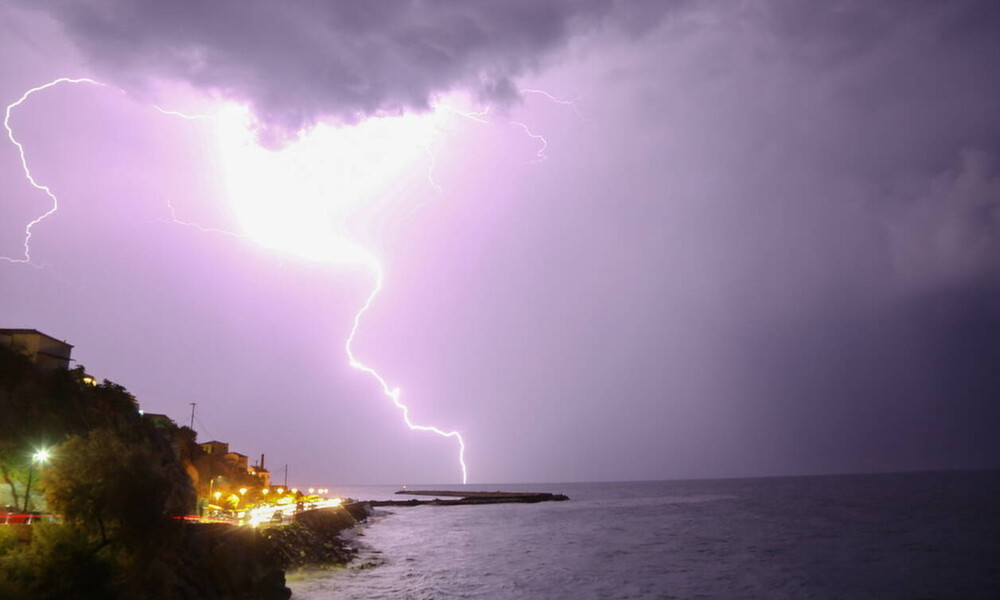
[(227, 561)]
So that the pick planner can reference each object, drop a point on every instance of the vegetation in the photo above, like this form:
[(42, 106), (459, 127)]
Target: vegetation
[(114, 477)]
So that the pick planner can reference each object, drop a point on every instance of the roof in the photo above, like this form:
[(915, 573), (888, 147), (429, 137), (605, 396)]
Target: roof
[(35, 331), (213, 442)]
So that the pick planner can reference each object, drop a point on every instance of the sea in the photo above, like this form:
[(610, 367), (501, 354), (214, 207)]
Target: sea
[(884, 536)]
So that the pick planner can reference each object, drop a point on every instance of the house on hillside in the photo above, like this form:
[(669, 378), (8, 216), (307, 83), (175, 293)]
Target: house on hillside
[(45, 351), (261, 473), (240, 461), (215, 447)]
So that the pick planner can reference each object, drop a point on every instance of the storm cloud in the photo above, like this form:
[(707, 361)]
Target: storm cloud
[(766, 240), (296, 62)]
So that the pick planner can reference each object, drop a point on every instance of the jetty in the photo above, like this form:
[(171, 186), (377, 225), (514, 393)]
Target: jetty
[(459, 498)]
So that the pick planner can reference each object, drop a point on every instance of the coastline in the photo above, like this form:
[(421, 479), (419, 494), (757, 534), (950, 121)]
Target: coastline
[(227, 561)]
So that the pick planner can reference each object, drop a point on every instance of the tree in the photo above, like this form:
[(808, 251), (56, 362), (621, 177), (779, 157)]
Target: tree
[(115, 488), (59, 563)]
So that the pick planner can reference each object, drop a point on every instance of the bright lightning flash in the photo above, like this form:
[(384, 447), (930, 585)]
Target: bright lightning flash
[(395, 393), (299, 199)]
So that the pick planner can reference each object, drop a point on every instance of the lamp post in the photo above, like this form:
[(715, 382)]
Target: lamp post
[(41, 456), (211, 485)]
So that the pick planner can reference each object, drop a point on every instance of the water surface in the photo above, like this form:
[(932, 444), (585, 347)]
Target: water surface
[(916, 535)]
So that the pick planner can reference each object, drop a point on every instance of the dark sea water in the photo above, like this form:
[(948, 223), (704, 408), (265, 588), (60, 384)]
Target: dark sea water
[(913, 535)]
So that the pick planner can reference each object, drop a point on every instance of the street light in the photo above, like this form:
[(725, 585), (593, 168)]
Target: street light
[(40, 456)]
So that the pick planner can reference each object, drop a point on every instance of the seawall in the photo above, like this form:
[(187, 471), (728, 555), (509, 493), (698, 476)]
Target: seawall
[(224, 561)]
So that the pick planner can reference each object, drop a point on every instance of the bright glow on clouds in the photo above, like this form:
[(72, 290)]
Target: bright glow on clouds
[(298, 199)]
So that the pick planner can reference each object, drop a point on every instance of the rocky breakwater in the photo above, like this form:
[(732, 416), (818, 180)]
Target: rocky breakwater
[(461, 498), (313, 538), (225, 561)]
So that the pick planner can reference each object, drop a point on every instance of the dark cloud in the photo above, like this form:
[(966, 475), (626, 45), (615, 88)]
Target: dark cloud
[(295, 62), (815, 197), (947, 230)]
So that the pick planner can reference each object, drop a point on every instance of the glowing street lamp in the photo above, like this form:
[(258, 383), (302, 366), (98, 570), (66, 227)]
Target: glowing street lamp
[(41, 457)]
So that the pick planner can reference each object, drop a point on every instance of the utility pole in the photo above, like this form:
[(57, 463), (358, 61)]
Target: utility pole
[(193, 404), (286, 476)]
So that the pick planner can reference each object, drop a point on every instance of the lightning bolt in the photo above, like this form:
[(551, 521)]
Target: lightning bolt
[(570, 103), (198, 226), (29, 229), (540, 156), (482, 117), (478, 116), (177, 113), (430, 169), (393, 394)]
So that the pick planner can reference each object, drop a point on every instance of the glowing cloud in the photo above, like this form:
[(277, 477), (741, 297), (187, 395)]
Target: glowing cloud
[(298, 199)]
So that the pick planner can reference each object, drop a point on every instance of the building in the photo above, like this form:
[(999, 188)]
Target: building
[(240, 461), (225, 470), (45, 351), (215, 447), (261, 473), (264, 476)]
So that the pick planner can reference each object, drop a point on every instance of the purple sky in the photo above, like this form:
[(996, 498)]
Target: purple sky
[(766, 239)]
